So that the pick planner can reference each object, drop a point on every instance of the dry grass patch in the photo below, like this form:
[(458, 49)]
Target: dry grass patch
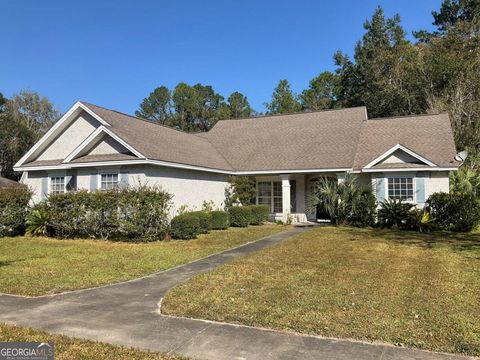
[(419, 290), (67, 348), (37, 266)]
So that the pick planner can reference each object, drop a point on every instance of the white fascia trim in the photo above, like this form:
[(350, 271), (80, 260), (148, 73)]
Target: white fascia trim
[(93, 136), (403, 148), (57, 125), (172, 165), (266, 172), (406, 169)]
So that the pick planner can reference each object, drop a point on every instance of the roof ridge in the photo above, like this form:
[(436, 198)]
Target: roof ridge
[(406, 116), (290, 114), (141, 119)]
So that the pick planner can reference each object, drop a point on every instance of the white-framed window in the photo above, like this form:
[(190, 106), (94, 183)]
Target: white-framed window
[(401, 188), (108, 181), (57, 185), (270, 193)]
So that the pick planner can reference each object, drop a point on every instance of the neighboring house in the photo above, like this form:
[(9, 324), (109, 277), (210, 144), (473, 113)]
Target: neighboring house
[(7, 183), (93, 148)]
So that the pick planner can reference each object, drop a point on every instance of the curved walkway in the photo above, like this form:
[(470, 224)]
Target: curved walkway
[(128, 314)]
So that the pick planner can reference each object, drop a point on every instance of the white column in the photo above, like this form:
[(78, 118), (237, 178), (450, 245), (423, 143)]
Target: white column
[(285, 196)]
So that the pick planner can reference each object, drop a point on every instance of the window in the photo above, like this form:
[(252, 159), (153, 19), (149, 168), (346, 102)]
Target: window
[(57, 185), (109, 181), (270, 193), (400, 188)]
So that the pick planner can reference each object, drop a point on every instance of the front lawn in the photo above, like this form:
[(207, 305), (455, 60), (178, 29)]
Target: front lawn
[(37, 266), (67, 348), (417, 290)]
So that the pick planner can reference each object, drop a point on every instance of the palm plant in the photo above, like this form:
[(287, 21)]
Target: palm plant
[(38, 223), (394, 213), (465, 181), (344, 202)]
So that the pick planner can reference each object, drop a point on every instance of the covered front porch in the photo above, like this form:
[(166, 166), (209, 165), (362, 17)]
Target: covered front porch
[(287, 195)]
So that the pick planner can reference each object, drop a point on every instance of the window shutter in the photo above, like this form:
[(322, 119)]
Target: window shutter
[(123, 181), (70, 182), (420, 188), (380, 189), (93, 182), (44, 191)]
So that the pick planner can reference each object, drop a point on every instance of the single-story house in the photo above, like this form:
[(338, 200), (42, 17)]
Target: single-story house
[(94, 148)]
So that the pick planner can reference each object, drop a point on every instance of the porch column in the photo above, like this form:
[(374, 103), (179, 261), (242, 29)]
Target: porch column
[(285, 197)]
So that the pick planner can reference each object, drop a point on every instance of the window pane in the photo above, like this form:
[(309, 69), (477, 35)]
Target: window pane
[(109, 181), (57, 185), (400, 188)]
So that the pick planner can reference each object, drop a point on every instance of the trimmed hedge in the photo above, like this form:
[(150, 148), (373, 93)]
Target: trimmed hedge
[(185, 226), (205, 219), (219, 220), (259, 214), (13, 209), (454, 212), (240, 216), (139, 213)]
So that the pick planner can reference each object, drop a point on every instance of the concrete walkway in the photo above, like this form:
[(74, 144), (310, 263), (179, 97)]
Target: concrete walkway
[(127, 314)]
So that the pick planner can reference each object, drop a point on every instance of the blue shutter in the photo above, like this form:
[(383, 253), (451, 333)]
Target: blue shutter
[(44, 190), (123, 181), (420, 188), (380, 189), (93, 182)]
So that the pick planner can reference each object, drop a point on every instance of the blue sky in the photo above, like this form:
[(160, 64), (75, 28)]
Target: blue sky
[(115, 52)]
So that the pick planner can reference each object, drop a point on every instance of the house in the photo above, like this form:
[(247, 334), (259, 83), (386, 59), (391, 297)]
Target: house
[(94, 148)]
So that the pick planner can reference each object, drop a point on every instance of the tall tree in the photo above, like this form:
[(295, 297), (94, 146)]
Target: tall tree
[(209, 105), (283, 100), (322, 92), (32, 110), (238, 106), (384, 75), (157, 107), (24, 119)]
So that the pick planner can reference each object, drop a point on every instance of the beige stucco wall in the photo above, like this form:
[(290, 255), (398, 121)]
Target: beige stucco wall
[(188, 187), (70, 138), (438, 182), (107, 145), (399, 156)]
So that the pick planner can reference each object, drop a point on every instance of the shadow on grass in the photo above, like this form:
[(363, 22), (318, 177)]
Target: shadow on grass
[(456, 241)]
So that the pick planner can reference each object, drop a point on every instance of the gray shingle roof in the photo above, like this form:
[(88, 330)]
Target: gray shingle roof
[(6, 183), (332, 139), (427, 135)]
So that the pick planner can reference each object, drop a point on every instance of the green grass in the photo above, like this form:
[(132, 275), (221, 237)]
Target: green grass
[(67, 348), (37, 266), (418, 290)]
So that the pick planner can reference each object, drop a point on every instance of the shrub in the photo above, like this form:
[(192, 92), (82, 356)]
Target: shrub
[(394, 213), (205, 219), (13, 209), (454, 212), (364, 209), (219, 220), (139, 213), (240, 216), (185, 226), (259, 214), (240, 190)]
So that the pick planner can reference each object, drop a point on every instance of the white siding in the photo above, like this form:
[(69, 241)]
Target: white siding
[(70, 138)]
